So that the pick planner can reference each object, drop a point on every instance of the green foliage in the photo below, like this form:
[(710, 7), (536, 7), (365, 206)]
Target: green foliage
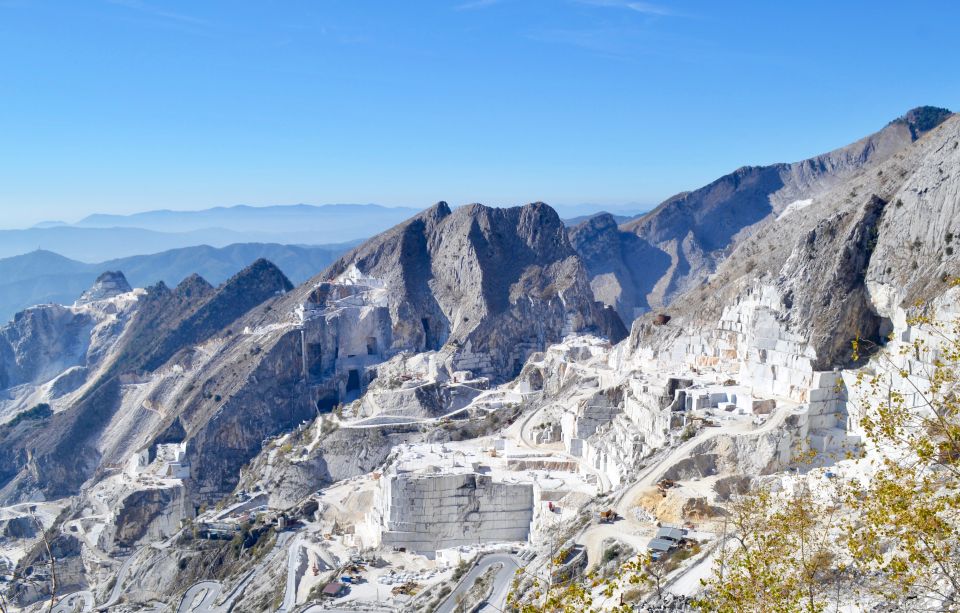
[(908, 533), (37, 413), (778, 556), (890, 536), (460, 570)]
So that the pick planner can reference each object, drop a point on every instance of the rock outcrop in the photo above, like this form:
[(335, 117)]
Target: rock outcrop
[(492, 284), (790, 298), (107, 285), (623, 267)]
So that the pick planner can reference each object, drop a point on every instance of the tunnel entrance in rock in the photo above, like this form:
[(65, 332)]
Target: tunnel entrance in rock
[(884, 331), (314, 359), (425, 324), (353, 380), (327, 402)]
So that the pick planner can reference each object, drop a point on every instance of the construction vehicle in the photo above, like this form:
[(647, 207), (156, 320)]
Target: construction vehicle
[(664, 484), (607, 517)]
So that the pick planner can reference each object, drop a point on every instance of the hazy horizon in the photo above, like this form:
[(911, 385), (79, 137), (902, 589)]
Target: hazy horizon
[(565, 211), (121, 106)]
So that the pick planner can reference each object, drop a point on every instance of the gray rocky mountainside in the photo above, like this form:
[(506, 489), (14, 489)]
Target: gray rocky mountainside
[(839, 268), (107, 285), (104, 351), (485, 287), (454, 383), (650, 260), (500, 281)]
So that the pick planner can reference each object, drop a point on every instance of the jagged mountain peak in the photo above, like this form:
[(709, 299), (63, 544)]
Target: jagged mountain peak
[(107, 285), (440, 209), (397, 345), (600, 222), (193, 284), (922, 119), (264, 272), (468, 275)]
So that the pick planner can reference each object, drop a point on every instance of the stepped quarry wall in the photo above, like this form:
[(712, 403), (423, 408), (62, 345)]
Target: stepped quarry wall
[(750, 342), (147, 515), (345, 329), (427, 512)]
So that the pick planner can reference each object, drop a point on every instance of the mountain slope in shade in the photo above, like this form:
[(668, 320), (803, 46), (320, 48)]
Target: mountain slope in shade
[(696, 230), (160, 324)]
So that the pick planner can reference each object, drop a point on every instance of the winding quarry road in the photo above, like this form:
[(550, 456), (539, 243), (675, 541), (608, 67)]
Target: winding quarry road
[(118, 585), (628, 528), (78, 602), (82, 602), (501, 583), (199, 598), (296, 564)]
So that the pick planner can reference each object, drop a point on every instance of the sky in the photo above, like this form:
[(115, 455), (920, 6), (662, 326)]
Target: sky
[(126, 105)]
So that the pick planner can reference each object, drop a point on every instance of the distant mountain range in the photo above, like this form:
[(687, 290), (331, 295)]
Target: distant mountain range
[(334, 220), (44, 276), (104, 237), (100, 237), (575, 221)]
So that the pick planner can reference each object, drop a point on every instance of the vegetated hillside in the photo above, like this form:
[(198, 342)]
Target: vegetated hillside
[(694, 231), (41, 277)]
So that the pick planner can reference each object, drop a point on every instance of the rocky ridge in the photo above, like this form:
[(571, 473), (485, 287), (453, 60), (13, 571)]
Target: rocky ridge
[(464, 337), (691, 233)]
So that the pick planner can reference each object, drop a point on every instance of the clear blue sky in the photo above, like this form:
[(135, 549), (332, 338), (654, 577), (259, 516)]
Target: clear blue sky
[(127, 105)]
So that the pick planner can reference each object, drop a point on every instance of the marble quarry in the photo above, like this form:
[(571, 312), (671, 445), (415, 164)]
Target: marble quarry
[(345, 330), (441, 497)]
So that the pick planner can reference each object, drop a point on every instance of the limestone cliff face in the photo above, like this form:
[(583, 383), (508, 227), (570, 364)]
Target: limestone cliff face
[(822, 284), (43, 341), (691, 233), (107, 285), (267, 398), (621, 264), (153, 514), (106, 418), (790, 298), (497, 283), (66, 550), (205, 366)]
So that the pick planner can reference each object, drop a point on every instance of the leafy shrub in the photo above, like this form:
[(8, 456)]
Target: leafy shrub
[(37, 413)]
